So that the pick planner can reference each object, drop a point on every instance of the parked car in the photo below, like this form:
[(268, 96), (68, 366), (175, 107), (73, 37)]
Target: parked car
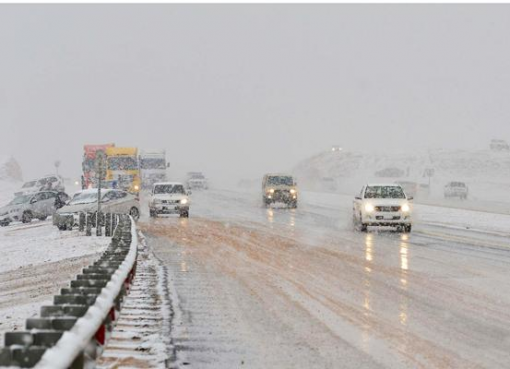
[(47, 183), (279, 188), (499, 145), (382, 205), (112, 201), (38, 205), (456, 189), (169, 198)]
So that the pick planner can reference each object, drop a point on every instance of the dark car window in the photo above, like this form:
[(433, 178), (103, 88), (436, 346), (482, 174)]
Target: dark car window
[(39, 197), (50, 195)]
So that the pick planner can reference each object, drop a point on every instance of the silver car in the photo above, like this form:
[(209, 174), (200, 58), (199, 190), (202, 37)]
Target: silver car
[(112, 201), (26, 207)]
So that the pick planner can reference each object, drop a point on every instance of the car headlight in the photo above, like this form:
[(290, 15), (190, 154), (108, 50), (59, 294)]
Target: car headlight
[(369, 208), (137, 187), (292, 191), (405, 208), (184, 201), (271, 190)]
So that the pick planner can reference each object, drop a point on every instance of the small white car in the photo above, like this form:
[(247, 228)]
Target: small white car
[(38, 205), (169, 198), (456, 189), (196, 181), (382, 205), (112, 201)]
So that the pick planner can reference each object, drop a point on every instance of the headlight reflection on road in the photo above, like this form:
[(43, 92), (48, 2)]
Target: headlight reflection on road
[(404, 267), (367, 291), (270, 216)]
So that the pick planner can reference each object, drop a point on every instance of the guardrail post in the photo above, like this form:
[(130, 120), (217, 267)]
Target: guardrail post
[(81, 222), (108, 225), (99, 226), (88, 232)]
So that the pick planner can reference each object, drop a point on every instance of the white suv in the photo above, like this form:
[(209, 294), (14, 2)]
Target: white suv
[(456, 189), (169, 198), (382, 205)]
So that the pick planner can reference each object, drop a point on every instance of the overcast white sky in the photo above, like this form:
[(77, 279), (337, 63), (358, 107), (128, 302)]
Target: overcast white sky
[(239, 90)]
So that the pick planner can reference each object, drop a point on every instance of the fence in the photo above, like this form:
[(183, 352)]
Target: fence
[(73, 331)]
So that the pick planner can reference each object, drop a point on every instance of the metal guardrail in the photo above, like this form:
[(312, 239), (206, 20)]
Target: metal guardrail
[(73, 331)]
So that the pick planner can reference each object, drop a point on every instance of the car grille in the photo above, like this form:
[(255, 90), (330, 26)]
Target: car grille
[(387, 208), (170, 201)]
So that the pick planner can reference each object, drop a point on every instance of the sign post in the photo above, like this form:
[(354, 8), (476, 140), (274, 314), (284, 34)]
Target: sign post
[(100, 175)]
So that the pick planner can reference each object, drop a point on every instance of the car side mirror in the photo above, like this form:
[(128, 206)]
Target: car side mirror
[(357, 197), (410, 198), (168, 165)]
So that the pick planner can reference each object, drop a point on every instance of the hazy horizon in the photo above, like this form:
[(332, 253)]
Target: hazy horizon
[(239, 90)]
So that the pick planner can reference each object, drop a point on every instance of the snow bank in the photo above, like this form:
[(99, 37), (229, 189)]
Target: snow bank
[(74, 341)]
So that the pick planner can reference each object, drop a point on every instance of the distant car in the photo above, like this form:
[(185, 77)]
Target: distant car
[(47, 183), (112, 201), (382, 205), (456, 189), (26, 207), (499, 145), (336, 148), (279, 188), (169, 198), (196, 181)]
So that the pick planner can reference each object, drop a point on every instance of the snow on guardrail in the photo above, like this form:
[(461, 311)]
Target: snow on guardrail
[(76, 340), (72, 333)]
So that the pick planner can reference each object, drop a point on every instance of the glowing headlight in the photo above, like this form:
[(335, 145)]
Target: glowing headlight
[(137, 187), (271, 190), (369, 208), (184, 201), (76, 183), (292, 191), (405, 208)]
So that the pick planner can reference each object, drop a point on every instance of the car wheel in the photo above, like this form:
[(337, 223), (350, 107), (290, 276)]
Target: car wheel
[(152, 214), (408, 228), (26, 217), (42, 217), (4, 224), (184, 214), (363, 227), (134, 213)]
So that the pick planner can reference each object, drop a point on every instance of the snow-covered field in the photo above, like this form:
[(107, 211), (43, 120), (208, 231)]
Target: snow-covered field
[(258, 288), (37, 260)]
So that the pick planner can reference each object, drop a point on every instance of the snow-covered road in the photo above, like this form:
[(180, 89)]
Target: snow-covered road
[(280, 288)]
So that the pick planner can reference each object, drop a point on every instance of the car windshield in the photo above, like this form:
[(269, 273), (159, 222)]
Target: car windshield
[(384, 192), (280, 181), (152, 163), (168, 188), (84, 198), (29, 184), (122, 163), (20, 200)]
